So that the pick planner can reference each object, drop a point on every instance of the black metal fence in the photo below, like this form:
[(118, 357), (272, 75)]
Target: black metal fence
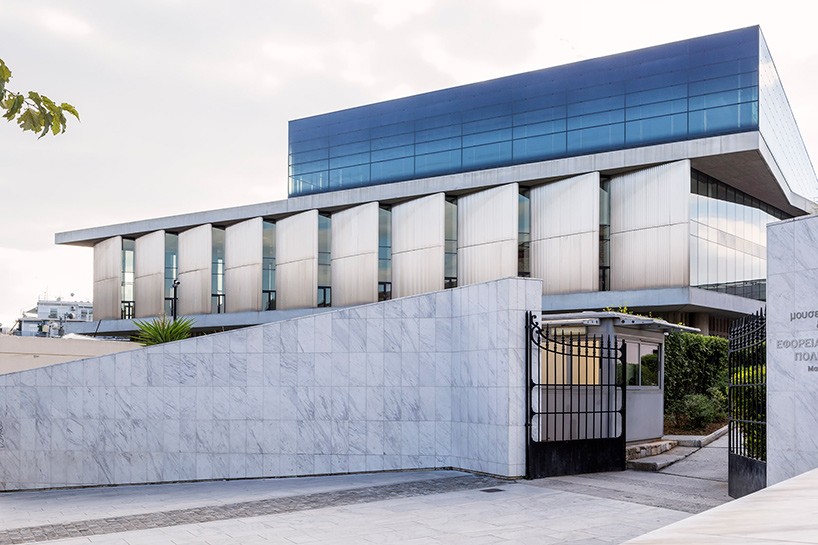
[(747, 402), (127, 310), (575, 402)]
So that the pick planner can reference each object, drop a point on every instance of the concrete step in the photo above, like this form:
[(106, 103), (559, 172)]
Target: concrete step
[(697, 440), (661, 461)]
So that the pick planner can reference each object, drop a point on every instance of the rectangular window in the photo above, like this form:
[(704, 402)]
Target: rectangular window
[(450, 255), (575, 362), (384, 254), (604, 233), (217, 272), (171, 270), (128, 272), (643, 363), (324, 261), (268, 265), (524, 233)]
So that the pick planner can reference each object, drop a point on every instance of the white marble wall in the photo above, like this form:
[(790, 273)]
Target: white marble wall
[(792, 348), (434, 380)]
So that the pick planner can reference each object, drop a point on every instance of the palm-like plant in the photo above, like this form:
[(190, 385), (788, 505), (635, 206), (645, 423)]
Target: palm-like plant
[(162, 330)]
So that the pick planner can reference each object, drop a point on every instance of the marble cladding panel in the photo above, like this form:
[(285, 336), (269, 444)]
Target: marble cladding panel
[(792, 348), (429, 381)]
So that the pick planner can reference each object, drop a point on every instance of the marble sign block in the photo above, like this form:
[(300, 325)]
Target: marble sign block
[(792, 348)]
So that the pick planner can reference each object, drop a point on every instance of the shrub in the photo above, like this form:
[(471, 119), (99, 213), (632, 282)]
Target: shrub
[(700, 410), (694, 364), (162, 330)]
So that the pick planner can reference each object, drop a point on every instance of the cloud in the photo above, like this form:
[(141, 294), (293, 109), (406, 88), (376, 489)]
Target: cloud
[(391, 14), (65, 24)]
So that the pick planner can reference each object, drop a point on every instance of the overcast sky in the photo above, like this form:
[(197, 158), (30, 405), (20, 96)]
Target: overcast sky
[(185, 104)]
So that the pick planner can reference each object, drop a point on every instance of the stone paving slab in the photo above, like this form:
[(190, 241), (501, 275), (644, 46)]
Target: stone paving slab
[(165, 519), (517, 514), (441, 507), (42, 507), (707, 463)]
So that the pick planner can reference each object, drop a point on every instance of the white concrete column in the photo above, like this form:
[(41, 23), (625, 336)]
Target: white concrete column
[(149, 277), (354, 254), (242, 266), (487, 232), (195, 263), (297, 261), (108, 279), (418, 246), (565, 234), (650, 233)]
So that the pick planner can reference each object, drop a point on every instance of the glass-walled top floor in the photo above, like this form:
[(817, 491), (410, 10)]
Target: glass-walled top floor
[(701, 87)]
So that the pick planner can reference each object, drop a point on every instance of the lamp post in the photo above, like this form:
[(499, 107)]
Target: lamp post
[(175, 298)]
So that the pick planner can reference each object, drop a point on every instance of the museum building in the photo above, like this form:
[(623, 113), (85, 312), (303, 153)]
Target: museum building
[(644, 180)]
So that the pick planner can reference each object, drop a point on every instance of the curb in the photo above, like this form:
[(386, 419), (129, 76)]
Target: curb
[(698, 441)]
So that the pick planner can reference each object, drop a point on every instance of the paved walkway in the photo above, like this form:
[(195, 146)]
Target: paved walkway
[(692, 485), (403, 507)]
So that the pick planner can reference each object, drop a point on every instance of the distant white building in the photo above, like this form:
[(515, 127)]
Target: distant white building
[(48, 318)]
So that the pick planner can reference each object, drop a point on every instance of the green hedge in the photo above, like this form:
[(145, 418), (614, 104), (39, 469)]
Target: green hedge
[(694, 364)]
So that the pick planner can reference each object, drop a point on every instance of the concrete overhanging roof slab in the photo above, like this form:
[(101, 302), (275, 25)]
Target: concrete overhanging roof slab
[(619, 319), (680, 299), (201, 322), (742, 160)]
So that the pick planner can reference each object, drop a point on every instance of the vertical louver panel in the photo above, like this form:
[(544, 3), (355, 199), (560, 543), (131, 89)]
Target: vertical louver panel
[(487, 224), (565, 234), (107, 279), (242, 266), (354, 243), (195, 256), (297, 261), (650, 245), (149, 275), (418, 237)]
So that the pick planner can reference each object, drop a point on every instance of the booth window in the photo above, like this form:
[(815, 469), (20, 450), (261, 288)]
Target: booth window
[(643, 363), (573, 362)]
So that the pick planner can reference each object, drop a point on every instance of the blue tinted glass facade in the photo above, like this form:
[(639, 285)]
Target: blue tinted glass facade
[(780, 131), (701, 87)]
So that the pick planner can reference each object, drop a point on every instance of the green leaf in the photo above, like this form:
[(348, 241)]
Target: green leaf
[(35, 97), (49, 103), (70, 109), (5, 74), (57, 124), (46, 118), (14, 107), (29, 120)]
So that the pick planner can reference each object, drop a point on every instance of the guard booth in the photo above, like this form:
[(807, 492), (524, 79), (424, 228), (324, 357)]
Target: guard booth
[(595, 382)]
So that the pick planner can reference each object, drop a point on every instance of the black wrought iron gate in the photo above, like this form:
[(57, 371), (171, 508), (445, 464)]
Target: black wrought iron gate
[(575, 403), (747, 398)]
